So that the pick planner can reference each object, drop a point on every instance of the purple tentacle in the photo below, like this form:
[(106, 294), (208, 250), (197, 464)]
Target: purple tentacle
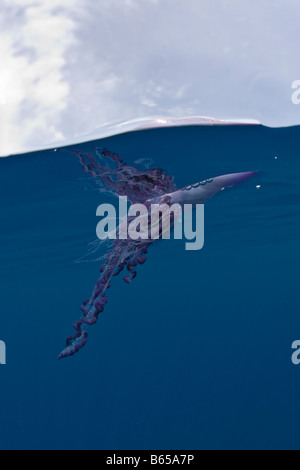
[(138, 186), (122, 179), (92, 307)]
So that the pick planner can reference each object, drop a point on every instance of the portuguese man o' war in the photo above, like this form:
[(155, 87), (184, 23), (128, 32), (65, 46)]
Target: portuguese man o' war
[(111, 174)]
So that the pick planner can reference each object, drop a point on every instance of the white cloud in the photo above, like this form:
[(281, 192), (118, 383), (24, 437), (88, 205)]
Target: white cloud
[(33, 90)]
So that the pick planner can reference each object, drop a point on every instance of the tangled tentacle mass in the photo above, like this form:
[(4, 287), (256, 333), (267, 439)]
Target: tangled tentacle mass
[(111, 173)]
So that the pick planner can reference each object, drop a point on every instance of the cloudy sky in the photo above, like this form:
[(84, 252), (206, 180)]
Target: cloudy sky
[(68, 67)]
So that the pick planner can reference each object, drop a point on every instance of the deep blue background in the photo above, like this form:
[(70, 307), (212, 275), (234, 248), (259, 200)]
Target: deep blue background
[(196, 352)]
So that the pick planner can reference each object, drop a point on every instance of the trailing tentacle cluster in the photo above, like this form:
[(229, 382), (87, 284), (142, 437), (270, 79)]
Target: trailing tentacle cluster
[(138, 186), (122, 179)]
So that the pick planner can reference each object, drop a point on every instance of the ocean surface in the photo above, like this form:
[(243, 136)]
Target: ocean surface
[(196, 352)]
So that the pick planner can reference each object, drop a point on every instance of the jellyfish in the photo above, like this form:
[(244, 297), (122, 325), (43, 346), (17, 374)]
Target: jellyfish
[(112, 174)]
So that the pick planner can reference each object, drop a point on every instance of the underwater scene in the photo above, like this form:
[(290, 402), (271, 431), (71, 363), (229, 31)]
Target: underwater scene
[(194, 349)]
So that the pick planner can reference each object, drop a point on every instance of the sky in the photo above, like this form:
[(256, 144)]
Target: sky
[(69, 67)]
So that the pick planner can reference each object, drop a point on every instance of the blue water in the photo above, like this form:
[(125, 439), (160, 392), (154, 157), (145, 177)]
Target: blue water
[(196, 352)]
